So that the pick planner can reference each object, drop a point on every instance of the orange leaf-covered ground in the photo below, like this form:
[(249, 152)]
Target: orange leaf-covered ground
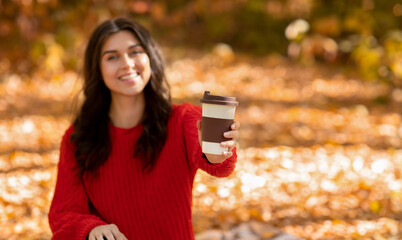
[(320, 153)]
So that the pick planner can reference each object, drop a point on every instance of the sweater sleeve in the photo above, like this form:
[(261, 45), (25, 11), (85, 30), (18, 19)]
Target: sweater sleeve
[(69, 215), (197, 159)]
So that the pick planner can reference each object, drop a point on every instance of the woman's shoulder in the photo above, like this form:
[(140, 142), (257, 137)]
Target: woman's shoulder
[(69, 130), (185, 109), (67, 133)]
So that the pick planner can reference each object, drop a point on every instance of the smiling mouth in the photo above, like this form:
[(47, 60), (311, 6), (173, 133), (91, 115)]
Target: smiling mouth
[(131, 76)]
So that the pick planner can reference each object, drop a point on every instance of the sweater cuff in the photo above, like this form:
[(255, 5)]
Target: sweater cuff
[(222, 169)]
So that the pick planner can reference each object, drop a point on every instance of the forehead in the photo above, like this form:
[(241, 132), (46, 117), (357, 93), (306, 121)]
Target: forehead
[(120, 41)]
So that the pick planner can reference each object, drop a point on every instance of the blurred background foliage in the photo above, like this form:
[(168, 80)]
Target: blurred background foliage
[(320, 153), (48, 36)]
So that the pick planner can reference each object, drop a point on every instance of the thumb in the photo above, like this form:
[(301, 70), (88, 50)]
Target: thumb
[(199, 124)]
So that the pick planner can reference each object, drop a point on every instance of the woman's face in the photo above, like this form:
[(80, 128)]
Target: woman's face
[(125, 66)]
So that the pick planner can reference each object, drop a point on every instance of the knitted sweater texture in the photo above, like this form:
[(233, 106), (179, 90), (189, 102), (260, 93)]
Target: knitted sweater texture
[(145, 206)]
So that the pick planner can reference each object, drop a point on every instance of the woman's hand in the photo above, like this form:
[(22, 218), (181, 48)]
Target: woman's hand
[(110, 232), (232, 135)]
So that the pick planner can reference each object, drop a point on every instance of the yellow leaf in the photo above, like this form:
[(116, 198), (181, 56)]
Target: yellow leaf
[(396, 194), (337, 221), (364, 185), (255, 214), (375, 206), (213, 188)]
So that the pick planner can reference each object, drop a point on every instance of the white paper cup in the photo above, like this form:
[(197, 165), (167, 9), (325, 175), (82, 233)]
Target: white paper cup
[(217, 117)]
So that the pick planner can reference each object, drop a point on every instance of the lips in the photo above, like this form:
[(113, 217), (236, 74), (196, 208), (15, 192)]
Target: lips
[(128, 76)]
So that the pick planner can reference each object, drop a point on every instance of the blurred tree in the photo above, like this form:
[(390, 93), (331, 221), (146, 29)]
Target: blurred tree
[(29, 29)]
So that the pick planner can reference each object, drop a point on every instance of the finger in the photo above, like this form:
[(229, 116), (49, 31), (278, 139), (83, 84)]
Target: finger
[(109, 236), (118, 235), (231, 134), (235, 125), (227, 154), (92, 235), (98, 236), (228, 144), (114, 228)]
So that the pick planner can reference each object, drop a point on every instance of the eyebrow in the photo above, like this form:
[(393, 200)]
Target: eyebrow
[(114, 51)]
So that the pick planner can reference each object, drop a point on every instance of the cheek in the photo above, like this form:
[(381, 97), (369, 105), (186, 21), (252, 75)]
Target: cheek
[(103, 68), (107, 69), (144, 60)]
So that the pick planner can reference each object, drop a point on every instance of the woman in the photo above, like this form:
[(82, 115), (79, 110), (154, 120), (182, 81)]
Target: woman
[(127, 164)]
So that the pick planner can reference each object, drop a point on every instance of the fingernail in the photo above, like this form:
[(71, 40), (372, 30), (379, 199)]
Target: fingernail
[(233, 125), (226, 134), (225, 153)]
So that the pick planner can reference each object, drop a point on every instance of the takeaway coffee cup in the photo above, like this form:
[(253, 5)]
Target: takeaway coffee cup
[(217, 117)]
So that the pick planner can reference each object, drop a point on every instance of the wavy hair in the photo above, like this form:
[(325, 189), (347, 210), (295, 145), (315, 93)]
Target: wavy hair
[(91, 125)]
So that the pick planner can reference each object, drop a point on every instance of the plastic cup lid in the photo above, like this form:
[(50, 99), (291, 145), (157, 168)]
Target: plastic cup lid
[(221, 100)]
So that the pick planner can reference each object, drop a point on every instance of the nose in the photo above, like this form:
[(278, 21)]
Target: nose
[(127, 61)]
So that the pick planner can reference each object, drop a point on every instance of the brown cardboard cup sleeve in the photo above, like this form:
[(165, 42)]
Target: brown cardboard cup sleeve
[(213, 129)]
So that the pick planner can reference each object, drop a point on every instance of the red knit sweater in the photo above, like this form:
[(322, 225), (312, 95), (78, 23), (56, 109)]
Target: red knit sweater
[(155, 205)]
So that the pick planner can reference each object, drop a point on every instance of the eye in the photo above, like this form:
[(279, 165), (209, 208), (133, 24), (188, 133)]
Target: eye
[(111, 57), (135, 52)]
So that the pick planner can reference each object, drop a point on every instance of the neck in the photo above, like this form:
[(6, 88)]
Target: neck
[(127, 112)]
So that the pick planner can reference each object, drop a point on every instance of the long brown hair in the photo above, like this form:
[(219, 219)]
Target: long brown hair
[(91, 131)]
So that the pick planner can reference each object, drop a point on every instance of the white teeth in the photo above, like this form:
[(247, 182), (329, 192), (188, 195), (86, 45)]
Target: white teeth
[(126, 77)]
